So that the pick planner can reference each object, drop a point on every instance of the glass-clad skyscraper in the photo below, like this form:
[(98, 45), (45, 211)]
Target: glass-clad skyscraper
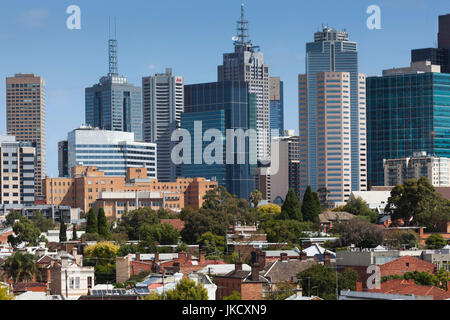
[(114, 104), (406, 113), (221, 106), (331, 51)]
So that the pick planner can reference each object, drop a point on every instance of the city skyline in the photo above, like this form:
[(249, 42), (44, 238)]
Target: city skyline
[(71, 60)]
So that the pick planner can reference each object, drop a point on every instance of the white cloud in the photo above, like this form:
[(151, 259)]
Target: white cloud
[(33, 18)]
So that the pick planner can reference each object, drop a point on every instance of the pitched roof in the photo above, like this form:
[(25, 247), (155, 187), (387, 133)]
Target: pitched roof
[(332, 216), (178, 224), (281, 271), (398, 286)]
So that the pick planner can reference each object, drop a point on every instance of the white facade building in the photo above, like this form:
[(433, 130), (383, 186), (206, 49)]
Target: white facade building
[(111, 151), (163, 104), (436, 169)]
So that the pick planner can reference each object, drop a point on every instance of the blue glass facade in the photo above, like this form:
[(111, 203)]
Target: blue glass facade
[(277, 113), (332, 56), (115, 105), (406, 113), (221, 106)]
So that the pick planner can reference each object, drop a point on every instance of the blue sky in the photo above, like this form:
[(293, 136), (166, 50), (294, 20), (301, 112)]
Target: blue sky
[(190, 36)]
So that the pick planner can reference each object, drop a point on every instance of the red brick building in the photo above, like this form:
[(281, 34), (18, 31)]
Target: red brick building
[(248, 283)]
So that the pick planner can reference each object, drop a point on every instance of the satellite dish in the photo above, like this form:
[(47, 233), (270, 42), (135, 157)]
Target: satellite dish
[(235, 38)]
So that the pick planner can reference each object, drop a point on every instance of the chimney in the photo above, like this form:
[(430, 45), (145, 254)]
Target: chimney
[(255, 272), (303, 256), (326, 258), (262, 260), (138, 257), (202, 257), (64, 261), (238, 266), (359, 286), (182, 256), (156, 260), (283, 256), (188, 257)]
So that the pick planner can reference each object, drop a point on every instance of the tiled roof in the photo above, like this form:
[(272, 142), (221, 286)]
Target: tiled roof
[(396, 286), (281, 271), (176, 223), (25, 286), (332, 216)]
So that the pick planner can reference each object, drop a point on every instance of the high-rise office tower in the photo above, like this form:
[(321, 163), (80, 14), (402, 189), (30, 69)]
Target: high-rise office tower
[(18, 171), (440, 55), (63, 159), (163, 104), (276, 106), (407, 112), (25, 114), (246, 63), (331, 55), (113, 103), (218, 107)]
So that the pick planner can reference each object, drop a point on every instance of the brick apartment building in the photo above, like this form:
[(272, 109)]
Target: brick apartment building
[(248, 283), (87, 184), (388, 264)]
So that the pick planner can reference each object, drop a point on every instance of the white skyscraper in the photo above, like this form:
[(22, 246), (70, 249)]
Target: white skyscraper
[(163, 104), (246, 63)]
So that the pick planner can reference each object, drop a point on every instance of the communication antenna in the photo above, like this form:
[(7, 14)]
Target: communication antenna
[(113, 69)]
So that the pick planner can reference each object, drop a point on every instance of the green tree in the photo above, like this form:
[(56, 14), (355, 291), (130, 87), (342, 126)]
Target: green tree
[(310, 207), (62, 231), (42, 222), (103, 256), (317, 201), (91, 223), (102, 224), (182, 247), (256, 198), (269, 209), (197, 222), (12, 217), (417, 203), (358, 232), (187, 290), (20, 267), (436, 241), (324, 278), (289, 231), (402, 238), (282, 291), (24, 231), (154, 296), (74, 232), (212, 243), (163, 214), (234, 296), (291, 207), (359, 207), (131, 222), (127, 249)]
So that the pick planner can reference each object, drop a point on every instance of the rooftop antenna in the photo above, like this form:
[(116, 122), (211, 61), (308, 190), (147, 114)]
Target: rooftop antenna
[(242, 28), (113, 70)]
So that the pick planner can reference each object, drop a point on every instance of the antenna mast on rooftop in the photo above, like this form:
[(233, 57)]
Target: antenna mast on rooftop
[(113, 70)]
